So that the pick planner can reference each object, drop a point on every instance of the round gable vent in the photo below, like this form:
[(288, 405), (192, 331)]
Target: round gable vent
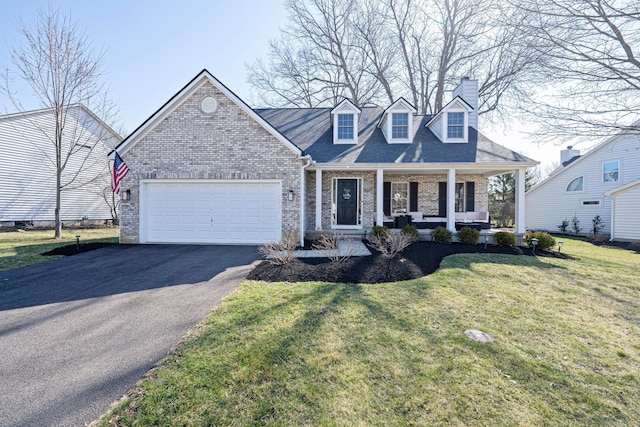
[(208, 105)]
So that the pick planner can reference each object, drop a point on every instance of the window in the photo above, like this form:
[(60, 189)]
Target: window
[(610, 171), (345, 126), (455, 125), (576, 185), (399, 197), (400, 126)]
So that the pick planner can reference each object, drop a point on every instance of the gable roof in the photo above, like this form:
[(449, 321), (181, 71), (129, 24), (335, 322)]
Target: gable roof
[(622, 188), (310, 129), (78, 106), (347, 102), (176, 100), (456, 100), (580, 159), (397, 102)]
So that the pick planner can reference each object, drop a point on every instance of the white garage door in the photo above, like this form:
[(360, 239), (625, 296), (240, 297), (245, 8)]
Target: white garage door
[(211, 212)]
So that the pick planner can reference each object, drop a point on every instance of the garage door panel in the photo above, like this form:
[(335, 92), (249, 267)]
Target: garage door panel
[(212, 212)]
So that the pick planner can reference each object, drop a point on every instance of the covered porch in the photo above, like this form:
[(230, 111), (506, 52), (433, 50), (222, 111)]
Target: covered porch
[(353, 200)]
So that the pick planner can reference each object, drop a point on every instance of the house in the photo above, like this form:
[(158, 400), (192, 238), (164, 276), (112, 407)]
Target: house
[(207, 168), (604, 181), (28, 173)]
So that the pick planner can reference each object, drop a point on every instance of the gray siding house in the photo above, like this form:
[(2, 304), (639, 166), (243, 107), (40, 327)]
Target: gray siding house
[(604, 181), (28, 172), (207, 168)]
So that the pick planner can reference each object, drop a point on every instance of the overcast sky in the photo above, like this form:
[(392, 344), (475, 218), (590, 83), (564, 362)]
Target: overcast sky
[(154, 48)]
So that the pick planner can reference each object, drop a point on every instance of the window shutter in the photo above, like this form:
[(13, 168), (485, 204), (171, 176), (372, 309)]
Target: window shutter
[(413, 197), (470, 196), (442, 199), (386, 198)]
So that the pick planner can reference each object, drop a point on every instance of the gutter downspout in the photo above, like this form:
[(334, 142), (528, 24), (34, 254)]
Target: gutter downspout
[(306, 161)]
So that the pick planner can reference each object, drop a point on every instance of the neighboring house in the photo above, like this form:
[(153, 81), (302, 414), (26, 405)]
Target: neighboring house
[(207, 168), (28, 172), (605, 181)]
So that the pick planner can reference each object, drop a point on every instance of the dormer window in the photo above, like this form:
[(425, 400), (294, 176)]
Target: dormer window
[(396, 122), (400, 126), (455, 125), (345, 127), (345, 122)]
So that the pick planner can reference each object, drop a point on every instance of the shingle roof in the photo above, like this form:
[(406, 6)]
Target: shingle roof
[(310, 129)]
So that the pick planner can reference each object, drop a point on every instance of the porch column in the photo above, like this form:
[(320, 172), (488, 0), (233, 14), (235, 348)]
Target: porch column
[(318, 199), (451, 200), (379, 197), (520, 229)]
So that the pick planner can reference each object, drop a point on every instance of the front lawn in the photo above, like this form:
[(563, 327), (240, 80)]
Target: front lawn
[(566, 350), (20, 248)]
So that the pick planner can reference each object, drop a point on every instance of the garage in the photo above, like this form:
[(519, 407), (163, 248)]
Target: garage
[(221, 212)]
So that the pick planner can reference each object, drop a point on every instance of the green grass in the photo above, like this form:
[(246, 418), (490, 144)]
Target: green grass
[(18, 249), (566, 350)]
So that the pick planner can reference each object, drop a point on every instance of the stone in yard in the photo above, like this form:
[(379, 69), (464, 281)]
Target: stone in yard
[(477, 335)]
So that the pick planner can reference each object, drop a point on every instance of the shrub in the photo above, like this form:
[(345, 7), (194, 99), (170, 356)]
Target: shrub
[(442, 235), (504, 238), (280, 252), (545, 240), (411, 231), (597, 225), (390, 244), (564, 226), (329, 243), (380, 232), (468, 236), (575, 223)]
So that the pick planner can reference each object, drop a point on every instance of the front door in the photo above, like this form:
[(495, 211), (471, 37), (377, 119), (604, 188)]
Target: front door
[(347, 202)]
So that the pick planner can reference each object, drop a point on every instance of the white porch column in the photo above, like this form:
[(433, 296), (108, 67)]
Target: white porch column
[(379, 197), (318, 199), (519, 229), (451, 200)]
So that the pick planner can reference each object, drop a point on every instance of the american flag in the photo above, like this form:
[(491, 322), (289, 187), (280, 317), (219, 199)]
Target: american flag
[(120, 170)]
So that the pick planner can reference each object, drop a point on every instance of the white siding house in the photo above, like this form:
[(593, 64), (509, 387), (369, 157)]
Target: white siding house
[(589, 185), (624, 212), (28, 173)]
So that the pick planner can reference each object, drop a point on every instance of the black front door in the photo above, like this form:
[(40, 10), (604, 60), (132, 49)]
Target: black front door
[(347, 202)]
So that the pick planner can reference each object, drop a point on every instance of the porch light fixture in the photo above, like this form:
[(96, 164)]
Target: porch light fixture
[(534, 242), (560, 243), (126, 195), (290, 196)]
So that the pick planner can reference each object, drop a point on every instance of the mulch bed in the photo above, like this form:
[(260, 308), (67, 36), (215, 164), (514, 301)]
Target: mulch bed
[(417, 260), (75, 249)]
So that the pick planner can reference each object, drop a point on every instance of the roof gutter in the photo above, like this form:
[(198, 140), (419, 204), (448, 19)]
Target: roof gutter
[(306, 161)]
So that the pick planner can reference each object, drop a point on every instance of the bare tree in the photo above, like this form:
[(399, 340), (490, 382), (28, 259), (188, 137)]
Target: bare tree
[(376, 52), (56, 60), (592, 68)]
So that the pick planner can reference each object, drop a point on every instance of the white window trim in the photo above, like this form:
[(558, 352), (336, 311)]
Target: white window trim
[(566, 188), (389, 126), (352, 141), (619, 180), (408, 197), (334, 195), (445, 126), (464, 196)]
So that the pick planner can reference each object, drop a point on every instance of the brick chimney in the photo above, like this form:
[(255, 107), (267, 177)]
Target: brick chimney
[(468, 90)]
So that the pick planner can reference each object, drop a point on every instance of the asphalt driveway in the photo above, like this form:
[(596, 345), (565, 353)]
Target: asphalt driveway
[(76, 333)]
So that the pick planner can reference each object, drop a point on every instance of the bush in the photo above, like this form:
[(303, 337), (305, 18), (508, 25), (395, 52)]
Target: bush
[(597, 225), (564, 226), (280, 252), (411, 231), (380, 232), (504, 238), (545, 240), (442, 235), (468, 236), (330, 244), (575, 222), (391, 244)]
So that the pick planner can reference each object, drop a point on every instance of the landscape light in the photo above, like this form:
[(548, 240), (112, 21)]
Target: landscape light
[(534, 242), (560, 243)]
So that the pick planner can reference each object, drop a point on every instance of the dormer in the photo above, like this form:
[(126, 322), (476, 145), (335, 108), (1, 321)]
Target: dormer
[(344, 118), (451, 124), (397, 122)]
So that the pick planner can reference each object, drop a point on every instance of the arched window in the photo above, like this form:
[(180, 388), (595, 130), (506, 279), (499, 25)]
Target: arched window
[(576, 185)]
